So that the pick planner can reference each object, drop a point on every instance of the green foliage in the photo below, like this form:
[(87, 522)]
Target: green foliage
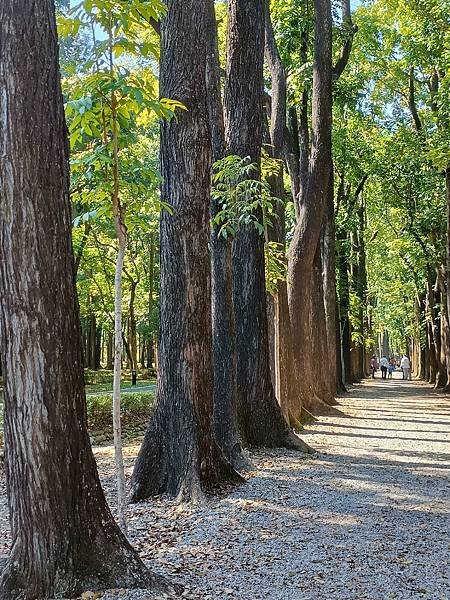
[(134, 407), (276, 265), (243, 200)]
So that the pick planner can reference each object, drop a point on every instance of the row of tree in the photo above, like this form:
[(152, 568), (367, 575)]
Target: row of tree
[(286, 243)]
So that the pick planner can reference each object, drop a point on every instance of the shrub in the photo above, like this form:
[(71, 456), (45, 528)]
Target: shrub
[(135, 407)]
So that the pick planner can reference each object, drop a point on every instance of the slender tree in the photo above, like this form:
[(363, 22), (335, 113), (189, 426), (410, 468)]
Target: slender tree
[(179, 455), (65, 540)]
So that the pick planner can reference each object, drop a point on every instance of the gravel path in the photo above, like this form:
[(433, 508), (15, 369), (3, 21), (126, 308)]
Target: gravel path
[(366, 518)]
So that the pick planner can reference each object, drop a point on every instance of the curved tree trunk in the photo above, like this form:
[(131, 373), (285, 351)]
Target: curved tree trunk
[(65, 540), (312, 203), (179, 455)]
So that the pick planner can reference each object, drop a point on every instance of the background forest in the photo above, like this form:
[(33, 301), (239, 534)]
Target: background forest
[(390, 152)]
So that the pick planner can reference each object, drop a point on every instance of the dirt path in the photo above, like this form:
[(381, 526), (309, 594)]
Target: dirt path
[(367, 518)]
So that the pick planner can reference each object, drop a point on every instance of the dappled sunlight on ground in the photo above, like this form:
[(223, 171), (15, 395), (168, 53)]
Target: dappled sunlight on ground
[(365, 518)]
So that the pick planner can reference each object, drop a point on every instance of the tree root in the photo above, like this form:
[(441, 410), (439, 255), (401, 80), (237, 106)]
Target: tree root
[(321, 408), (308, 417), (18, 583), (293, 442)]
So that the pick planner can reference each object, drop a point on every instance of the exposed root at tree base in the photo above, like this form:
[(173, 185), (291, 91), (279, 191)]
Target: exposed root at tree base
[(293, 442), (307, 417), (321, 408), (15, 583)]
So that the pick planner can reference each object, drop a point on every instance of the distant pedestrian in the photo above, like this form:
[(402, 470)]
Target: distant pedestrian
[(406, 367), (391, 367), (384, 364), (373, 365)]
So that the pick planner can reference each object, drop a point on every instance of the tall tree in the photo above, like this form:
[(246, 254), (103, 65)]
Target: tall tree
[(312, 200), (223, 324), (65, 540), (260, 420), (179, 455)]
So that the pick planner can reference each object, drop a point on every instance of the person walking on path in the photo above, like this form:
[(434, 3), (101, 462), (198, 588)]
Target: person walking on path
[(384, 364), (406, 367), (373, 365), (391, 367)]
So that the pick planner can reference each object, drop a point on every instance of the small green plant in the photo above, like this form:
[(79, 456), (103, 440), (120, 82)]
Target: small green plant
[(276, 265), (242, 199), (247, 201)]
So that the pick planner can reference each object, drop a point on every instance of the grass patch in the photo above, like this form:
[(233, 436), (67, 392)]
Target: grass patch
[(105, 376)]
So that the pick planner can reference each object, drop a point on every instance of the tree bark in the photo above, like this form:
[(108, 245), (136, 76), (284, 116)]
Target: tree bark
[(223, 324), (260, 420), (179, 455), (312, 200), (151, 289), (285, 376), (109, 351), (329, 289), (132, 335), (65, 540), (118, 210)]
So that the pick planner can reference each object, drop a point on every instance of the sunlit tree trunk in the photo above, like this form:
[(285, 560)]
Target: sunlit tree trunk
[(260, 420), (312, 201), (64, 539), (179, 455)]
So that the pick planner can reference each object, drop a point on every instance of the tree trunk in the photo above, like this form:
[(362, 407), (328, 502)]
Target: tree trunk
[(98, 347), (285, 374), (109, 352), (121, 233), (179, 455), (223, 325), (312, 201), (432, 357), (151, 290), (260, 420), (132, 335), (344, 305), (117, 379), (446, 278), (329, 288), (65, 540)]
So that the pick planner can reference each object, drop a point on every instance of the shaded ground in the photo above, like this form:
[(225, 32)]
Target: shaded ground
[(367, 518)]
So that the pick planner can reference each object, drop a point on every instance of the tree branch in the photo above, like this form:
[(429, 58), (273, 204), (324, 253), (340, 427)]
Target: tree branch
[(412, 102), (351, 30)]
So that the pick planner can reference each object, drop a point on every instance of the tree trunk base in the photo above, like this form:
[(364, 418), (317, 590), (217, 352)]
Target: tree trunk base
[(178, 471), (293, 442), (307, 417), (321, 408), (330, 400), (239, 459), (22, 580)]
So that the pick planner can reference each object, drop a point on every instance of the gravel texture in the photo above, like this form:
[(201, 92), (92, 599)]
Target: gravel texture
[(365, 518)]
